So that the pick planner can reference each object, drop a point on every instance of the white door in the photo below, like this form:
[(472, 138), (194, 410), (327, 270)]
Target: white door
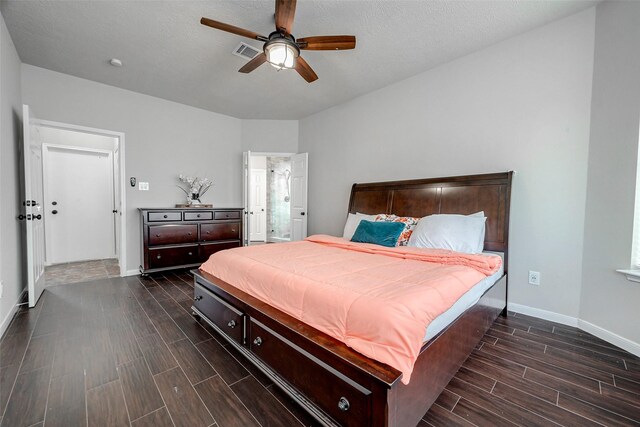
[(258, 205), (299, 177), (79, 204), (33, 192), (246, 181)]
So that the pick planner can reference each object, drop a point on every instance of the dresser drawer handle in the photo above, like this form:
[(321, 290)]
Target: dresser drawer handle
[(198, 216), (233, 230), (208, 232), (189, 234), (231, 324), (257, 342), (158, 256), (198, 298), (190, 253), (227, 215), (157, 235), (164, 216), (343, 404)]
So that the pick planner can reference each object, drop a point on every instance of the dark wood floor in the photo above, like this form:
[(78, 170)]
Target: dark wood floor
[(127, 352)]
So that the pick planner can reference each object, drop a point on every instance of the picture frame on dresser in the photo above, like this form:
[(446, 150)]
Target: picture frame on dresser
[(174, 238)]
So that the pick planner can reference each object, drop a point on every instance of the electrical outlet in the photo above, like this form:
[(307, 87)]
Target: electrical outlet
[(143, 186), (534, 277)]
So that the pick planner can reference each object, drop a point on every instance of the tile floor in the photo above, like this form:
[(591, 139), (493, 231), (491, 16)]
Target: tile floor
[(74, 272)]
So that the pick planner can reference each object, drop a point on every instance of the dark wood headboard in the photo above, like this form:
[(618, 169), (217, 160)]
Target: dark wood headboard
[(452, 195)]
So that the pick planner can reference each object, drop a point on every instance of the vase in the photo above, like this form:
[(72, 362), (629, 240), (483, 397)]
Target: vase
[(193, 198)]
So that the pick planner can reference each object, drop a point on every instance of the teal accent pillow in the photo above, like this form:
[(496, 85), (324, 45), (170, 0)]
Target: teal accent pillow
[(378, 232)]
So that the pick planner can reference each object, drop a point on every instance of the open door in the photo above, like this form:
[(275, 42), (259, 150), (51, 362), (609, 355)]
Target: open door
[(246, 193), (299, 177), (34, 194)]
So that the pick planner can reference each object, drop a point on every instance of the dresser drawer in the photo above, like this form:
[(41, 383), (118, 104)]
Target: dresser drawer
[(343, 399), (164, 216), (172, 234), (198, 216), (173, 256), (220, 231), (226, 215), (221, 313), (206, 250)]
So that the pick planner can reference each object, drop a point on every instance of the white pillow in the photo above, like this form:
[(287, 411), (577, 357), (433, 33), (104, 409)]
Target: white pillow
[(353, 220), (458, 233)]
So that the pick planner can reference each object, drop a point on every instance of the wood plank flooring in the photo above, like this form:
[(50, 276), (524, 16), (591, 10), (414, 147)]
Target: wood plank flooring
[(126, 351)]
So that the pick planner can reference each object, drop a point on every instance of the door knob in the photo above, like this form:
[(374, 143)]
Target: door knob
[(54, 203), (54, 211), (302, 213)]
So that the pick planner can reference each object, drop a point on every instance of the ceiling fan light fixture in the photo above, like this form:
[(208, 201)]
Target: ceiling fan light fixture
[(281, 53)]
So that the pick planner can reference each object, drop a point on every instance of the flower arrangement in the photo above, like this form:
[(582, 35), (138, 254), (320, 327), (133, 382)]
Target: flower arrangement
[(196, 187)]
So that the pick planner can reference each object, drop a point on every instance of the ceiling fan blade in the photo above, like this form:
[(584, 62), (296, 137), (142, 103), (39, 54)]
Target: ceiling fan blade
[(231, 29), (305, 70), (285, 11), (327, 42), (254, 63)]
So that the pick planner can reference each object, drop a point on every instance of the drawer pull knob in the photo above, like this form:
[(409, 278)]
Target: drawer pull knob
[(343, 404), (164, 216), (190, 253), (198, 298), (157, 235), (158, 256), (198, 216), (231, 324), (233, 230), (257, 342), (189, 234)]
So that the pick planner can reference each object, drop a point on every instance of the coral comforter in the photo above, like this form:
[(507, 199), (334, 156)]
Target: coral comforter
[(376, 300)]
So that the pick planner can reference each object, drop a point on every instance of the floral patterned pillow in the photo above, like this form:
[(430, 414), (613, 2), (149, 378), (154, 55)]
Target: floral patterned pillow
[(409, 223)]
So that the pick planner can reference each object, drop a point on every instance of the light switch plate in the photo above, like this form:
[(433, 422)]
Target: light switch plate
[(143, 186)]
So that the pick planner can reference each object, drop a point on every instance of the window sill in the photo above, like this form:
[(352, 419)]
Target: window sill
[(632, 275)]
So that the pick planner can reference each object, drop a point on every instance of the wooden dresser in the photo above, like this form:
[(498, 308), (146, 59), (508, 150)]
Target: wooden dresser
[(181, 238)]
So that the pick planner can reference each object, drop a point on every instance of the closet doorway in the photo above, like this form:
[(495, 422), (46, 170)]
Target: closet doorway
[(275, 194)]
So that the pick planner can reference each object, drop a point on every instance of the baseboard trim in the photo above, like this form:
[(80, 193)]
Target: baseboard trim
[(610, 337), (9, 317), (544, 314), (132, 272)]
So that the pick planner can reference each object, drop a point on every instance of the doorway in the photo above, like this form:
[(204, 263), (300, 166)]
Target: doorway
[(273, 212), (83, 202)]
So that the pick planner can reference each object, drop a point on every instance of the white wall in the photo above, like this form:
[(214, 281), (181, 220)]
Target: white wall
[(11, 259), (77, 139), (270, 136), (523, 105), (608, 300), (162, 140)]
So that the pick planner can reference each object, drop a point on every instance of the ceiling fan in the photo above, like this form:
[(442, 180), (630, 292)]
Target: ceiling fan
[(281, 49)]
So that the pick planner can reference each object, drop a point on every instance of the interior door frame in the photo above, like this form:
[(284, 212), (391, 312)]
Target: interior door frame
[(121, 247), (45, 154)]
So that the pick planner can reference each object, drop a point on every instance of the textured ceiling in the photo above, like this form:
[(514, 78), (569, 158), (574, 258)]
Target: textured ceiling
[(168, 54)]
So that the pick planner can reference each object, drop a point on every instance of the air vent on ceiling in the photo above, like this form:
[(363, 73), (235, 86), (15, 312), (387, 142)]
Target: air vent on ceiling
[(245, 51)]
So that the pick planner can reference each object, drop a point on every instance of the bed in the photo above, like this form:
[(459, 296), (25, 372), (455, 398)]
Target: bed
[(336, 384)]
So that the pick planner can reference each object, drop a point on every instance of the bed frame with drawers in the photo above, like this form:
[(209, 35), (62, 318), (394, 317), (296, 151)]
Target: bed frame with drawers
[(335, 384)]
